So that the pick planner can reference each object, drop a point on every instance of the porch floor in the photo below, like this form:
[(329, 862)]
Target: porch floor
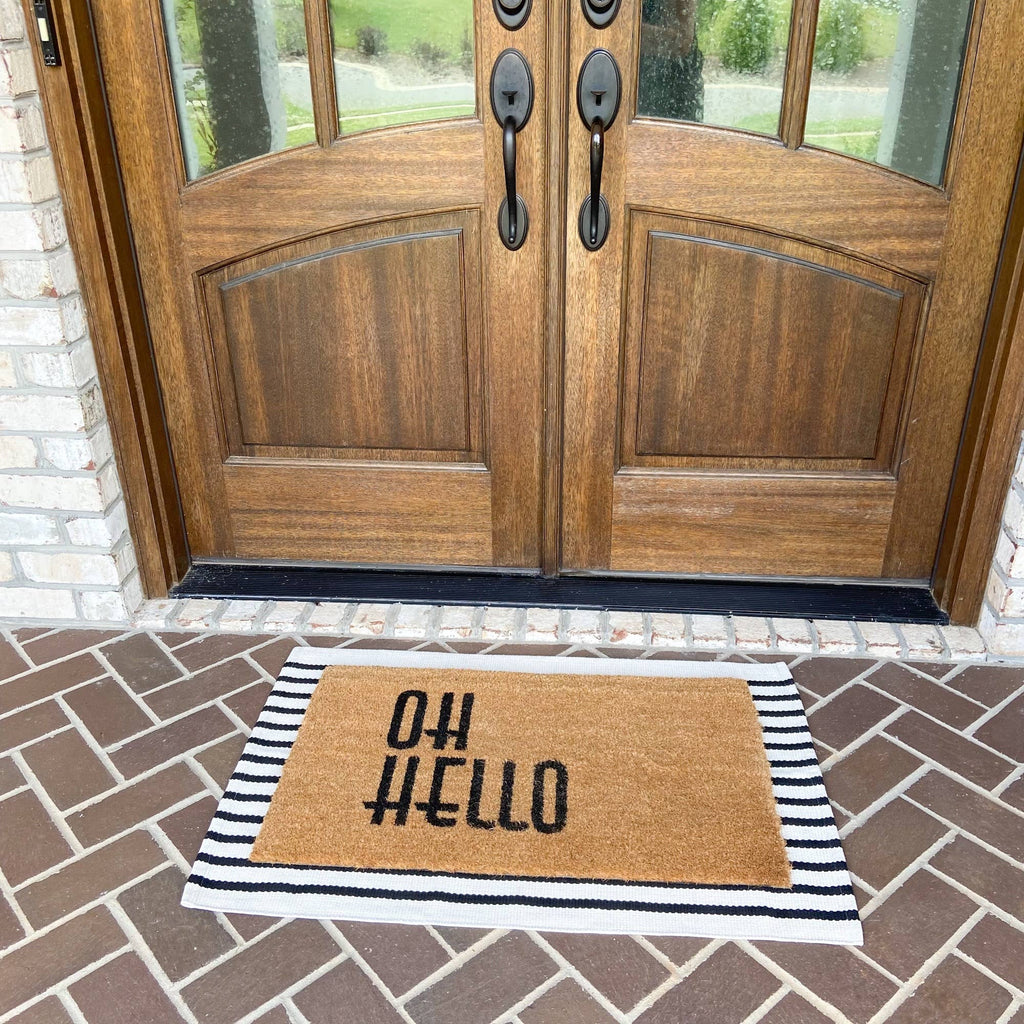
[(117, 746)]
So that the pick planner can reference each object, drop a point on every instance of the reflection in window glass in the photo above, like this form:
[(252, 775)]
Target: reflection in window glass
[(885, 79), (716, 61), (402, 61), (240, 74)]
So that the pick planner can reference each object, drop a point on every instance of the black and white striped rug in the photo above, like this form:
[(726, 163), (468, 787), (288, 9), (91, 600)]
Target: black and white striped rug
[(818, 907)]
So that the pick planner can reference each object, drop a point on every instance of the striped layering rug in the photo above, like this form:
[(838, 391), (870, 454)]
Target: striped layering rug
[(817, 904)]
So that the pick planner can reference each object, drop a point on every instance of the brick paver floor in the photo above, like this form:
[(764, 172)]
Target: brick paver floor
[(116, 747)]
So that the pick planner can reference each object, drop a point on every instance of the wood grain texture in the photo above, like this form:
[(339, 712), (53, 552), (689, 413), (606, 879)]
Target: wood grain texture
[(90, 187), (390, 360), (748, 525), (483, 403), (366, 515), (747, 350), (796, 87)]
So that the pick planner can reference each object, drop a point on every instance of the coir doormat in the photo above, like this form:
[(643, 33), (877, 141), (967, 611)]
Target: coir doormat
[(565, 794)]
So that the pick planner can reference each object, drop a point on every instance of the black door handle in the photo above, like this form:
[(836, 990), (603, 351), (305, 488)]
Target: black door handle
[(508, 156), (512, 102), (598, 91), (596, 165)]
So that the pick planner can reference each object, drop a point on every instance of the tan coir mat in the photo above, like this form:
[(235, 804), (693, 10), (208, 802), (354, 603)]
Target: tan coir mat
[(547, 776)]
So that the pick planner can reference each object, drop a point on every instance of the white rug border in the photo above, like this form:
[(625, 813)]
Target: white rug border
[(441, 911)]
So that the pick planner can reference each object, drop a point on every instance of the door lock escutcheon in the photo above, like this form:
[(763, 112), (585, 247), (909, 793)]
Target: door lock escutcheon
[(598, 93), (512, 103), (512, 13), (600, 13)]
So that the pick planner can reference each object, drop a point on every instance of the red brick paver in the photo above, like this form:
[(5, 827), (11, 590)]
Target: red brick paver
[(112, 746)]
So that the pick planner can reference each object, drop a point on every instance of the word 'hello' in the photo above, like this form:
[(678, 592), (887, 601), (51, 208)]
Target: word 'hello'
[(407, 731)]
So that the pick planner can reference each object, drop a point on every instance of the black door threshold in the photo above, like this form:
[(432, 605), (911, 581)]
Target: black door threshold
[(878, 601)]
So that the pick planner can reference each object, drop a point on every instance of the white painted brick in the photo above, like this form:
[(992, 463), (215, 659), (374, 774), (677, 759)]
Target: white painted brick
[(18, 452), (240, 616), (28, 278), (17, 76), (116, 606), (72, 317), (36, 603), (542, 625), (1002, 638), (27, 528), (1005, 551), (32, 230), (8, 377), (110, 487), (668, 629), (752, 633), (964, 643), (32, 180), (413, 620), (197, 613), (62, 272), (835, 637), (31, 325), (69, 567), (1013, 515), (156, 614), (456, 622), (6, 567), (498, 624), (64, 413), (69, 453), (328, 617), (793, 636), (710, 631), (21, 128), (626, 628), (583, 626), (51, 369), (881, 639), (924, 643), (285, 616), (100, 531), (1013, 602), (995, 590), (83, 362), (369, 620), (72, 494), (12, 24)]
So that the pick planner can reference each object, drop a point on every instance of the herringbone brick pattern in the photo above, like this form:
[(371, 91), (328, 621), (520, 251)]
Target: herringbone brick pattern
[(116, 747)]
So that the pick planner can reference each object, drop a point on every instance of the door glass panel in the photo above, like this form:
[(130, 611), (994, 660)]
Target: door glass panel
[(402, 61), (240, 73), (716, 61), (885, 79)]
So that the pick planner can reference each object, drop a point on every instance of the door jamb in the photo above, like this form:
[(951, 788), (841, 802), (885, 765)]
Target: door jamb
[(87, 170)]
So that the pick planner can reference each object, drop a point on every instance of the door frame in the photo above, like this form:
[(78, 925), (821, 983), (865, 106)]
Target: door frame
[(87, 170)]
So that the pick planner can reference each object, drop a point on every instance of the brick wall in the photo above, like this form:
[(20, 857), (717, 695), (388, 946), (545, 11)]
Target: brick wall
[(65, 552)]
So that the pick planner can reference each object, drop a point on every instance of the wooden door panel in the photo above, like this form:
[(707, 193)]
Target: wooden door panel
[(364, 514), (388, 368), (780, 526), (745, 349)]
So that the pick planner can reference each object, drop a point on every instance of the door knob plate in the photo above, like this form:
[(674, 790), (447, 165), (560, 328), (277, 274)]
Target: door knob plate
[(511, 88), (599, 88)]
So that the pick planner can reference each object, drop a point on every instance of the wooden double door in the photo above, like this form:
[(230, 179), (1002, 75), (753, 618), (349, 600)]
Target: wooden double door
[(761, 367)]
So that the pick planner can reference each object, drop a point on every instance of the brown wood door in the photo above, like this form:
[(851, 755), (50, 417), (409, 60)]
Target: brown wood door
[(768, 362), (351, 360)]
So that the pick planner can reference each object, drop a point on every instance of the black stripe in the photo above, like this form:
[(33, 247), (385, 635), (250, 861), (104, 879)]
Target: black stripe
[(260, 742), (814, 844), (278, 709), (789, 746), (774, 696), (810, 801), (246, 777), (807, 822), (771, 682), (253, 819), (805, 763), (279, 726), (781, 780), (810, 865), (246, 797), (260, 759), (785, 728), (223, 837), (301, 679), (799, 710), (527, 901)]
